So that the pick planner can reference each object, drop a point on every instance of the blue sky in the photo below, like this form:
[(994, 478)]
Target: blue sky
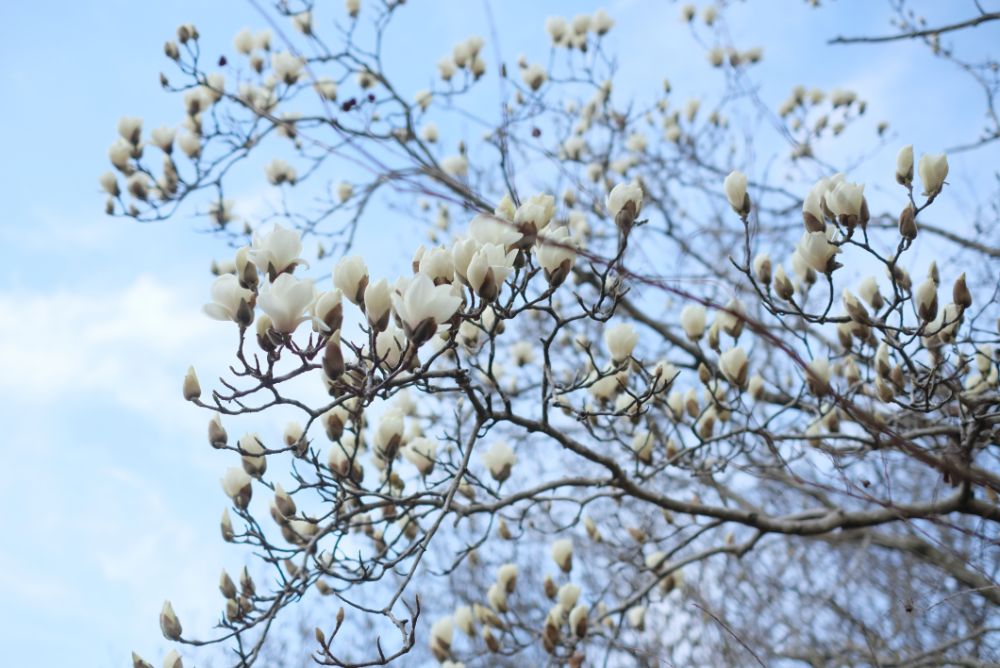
[(109, 494)]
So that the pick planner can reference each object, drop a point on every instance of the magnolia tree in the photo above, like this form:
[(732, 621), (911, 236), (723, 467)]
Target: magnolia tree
[(629, 405)]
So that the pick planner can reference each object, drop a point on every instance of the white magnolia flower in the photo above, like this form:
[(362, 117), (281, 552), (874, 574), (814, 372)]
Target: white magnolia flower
[(438, 264), (278, 171), (620, 340), (562, 554), (389, 346), (569, 593), (642, 444), (378, 301), (557, 28), (421, 453), (574, 147), (733, 365), (351, 277), (244, 42), (423, 306), (130, 128), (352, 7), (326, 88), (236, 485), (455, 165), (190, 143), (693, 321), (817, 251), (277, 251), (491, 230), (499, 459), (287, 67), (933, 170), (735, 186), (429, 132), (904, 165), (926, 300), (285, 301), (623, 195), (303, 22), (488, 269), (601, 23), (812, 207), (227, 299), (534, 76), (163, 137), (556, 254), (846, 199), (442, 632)]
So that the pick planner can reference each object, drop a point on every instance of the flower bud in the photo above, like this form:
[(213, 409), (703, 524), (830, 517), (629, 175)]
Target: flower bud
[(227, 586), (907, 223), (734, 366), (226, 527), (562, 554), (236, 485), (762, 267), (192, 390), (933, 170), (169, 623), (782, 284), (960, 292), (735, 186), (926, 300), (139, 662), (693, 321), (217, 436), (904, 165)]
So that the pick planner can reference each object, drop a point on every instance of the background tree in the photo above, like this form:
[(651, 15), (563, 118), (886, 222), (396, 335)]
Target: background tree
[(596, 421)]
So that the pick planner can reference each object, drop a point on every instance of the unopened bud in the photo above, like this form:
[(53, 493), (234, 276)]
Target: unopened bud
[(907, 223), (169, 623), (192, 390), (960, 292)]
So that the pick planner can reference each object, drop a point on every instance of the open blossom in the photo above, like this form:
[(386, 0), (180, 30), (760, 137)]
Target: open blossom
[(421, 453), (817, 251), (735, 186), (488, 269), (278, 171), (557, 28), (229, 298), (693, 321), (534, 76), (285, 301), (624, 196), (499, 459), (287, 67), (423, 306), (620, 340), (847, 201), (277, 251), (933, 170), (491, 230), (350, 276), (556, 254), (455, 165)]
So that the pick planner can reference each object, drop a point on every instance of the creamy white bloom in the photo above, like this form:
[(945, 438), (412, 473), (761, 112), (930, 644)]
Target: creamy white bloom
[(620, 340), (344, 191), (817, 251), (236, 485), (735, 186), (534, 76), (562, 554), (423, 306), (352, 7), (623, 194), (642, 444), (637, 617), (421, 452), (557, 28), (130, 128), (438, 264), (429, 132), (377, 302), (303, 22), (904, 165), (278, 250), (285, 301), (868, 289), (569, 593), (455, 165), (326, 88), (172, 660), (227, 297), (733, 365), (163, 138), (555, 253), (169, 624), (489, 268), (601, 23), (351, 277), (926, 300), (490, 230), (578, 620), (693, 321), (190, 143), (846, 199), (442, 632), (244, 42), (499, 459), (278, 171), (287, 67), (933, 170), (389, 346)]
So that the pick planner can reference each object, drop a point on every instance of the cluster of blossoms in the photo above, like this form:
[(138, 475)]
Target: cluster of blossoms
[(523, 389)]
